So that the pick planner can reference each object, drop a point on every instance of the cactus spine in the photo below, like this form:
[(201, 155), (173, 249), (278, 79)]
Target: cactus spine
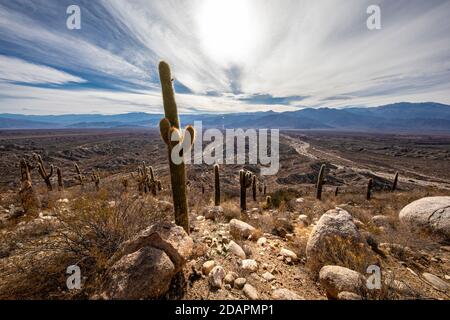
[(216, 186), (60, 179), (245, 180), (170, 127), (320, 183), (43, 172), (369, 189), (254, 188), (394, 185)]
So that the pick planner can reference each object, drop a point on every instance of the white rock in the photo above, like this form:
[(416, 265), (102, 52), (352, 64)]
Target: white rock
[(239, 283), (437, 282), (288, 254), (262, 241), (240, 229), (337, 279), (268, 276), (249, 265), (285, 294), (208, 266)]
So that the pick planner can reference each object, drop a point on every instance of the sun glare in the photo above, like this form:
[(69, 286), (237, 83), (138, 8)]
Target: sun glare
[(227, 29)]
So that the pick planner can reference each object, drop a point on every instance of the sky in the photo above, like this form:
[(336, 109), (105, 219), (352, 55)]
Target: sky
[(226, 55)]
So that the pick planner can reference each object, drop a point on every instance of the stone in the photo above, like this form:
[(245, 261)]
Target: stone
[(230, 278), (335, 239), (288, 254), (261, 241), (216, 277), (251, 292), (268, 276), (382, 221), (236, 249), (345, 295), (249, 265), (240, 229), (208, 266), (436, 282), (303, 220), (336, 279), (431, 214), (214, 213), (239, 283), (285, 294), (248, 250)]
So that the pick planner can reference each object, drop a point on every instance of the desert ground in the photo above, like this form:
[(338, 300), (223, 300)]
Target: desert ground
[(87, 226)]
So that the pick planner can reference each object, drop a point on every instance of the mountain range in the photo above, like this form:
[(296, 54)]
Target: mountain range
[(426, 117)]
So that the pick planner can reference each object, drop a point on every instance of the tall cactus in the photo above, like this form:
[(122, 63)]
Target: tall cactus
[(170, 127), (43, 172), (216, 185), (319, 183), (245, 181), (254, 188), (394, 185), (60, 179), (29, 198), (80, 177), (369, 189)]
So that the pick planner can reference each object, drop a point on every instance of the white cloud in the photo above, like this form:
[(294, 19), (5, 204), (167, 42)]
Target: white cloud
[(17, 70)]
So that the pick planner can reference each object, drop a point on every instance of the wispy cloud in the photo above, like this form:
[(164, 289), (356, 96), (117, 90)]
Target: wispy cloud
[(238, 55)]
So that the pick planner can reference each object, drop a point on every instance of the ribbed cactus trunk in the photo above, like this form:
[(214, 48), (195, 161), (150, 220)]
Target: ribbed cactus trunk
[(369, 189), (245, 181), (216, 186), (320, 182), (394, 185), (170, 126), (60, 179), (254, 188)]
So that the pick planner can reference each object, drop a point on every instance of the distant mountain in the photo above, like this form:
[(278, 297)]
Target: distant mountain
[(399, 117)]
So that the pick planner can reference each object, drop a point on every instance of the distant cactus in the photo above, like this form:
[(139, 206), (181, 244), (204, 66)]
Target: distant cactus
[(43, 172), (203, 188), (336, 191), (60, 179), (319, 183), (124, 182), (169, 127), (158, 185), (29, 198), (216, 185), (254, 188), (265, 189), (394, 185), (260, 187), (95, 177), (369, 189), (268, 201), (245, 181), (80, 177)]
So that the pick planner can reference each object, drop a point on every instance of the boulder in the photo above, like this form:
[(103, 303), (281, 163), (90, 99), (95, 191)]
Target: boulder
[(251, 292), (239, 283), (144, 274), (214, 213), (144, 266), (345, 295), (335, 239), (436, 282), (431, 214), (336, 279), (240, 229), (208, 266)]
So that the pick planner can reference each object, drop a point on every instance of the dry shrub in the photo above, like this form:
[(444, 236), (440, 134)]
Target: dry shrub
[(231, 210)]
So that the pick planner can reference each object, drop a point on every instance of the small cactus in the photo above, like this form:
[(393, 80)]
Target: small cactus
[(95, 177), (320, 182), (216, 186), (60, 179), (43, 172), (369, 189), (169, 127), (245, 181), (265, 189), (394, 184), (254, 188), (336, 191)]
